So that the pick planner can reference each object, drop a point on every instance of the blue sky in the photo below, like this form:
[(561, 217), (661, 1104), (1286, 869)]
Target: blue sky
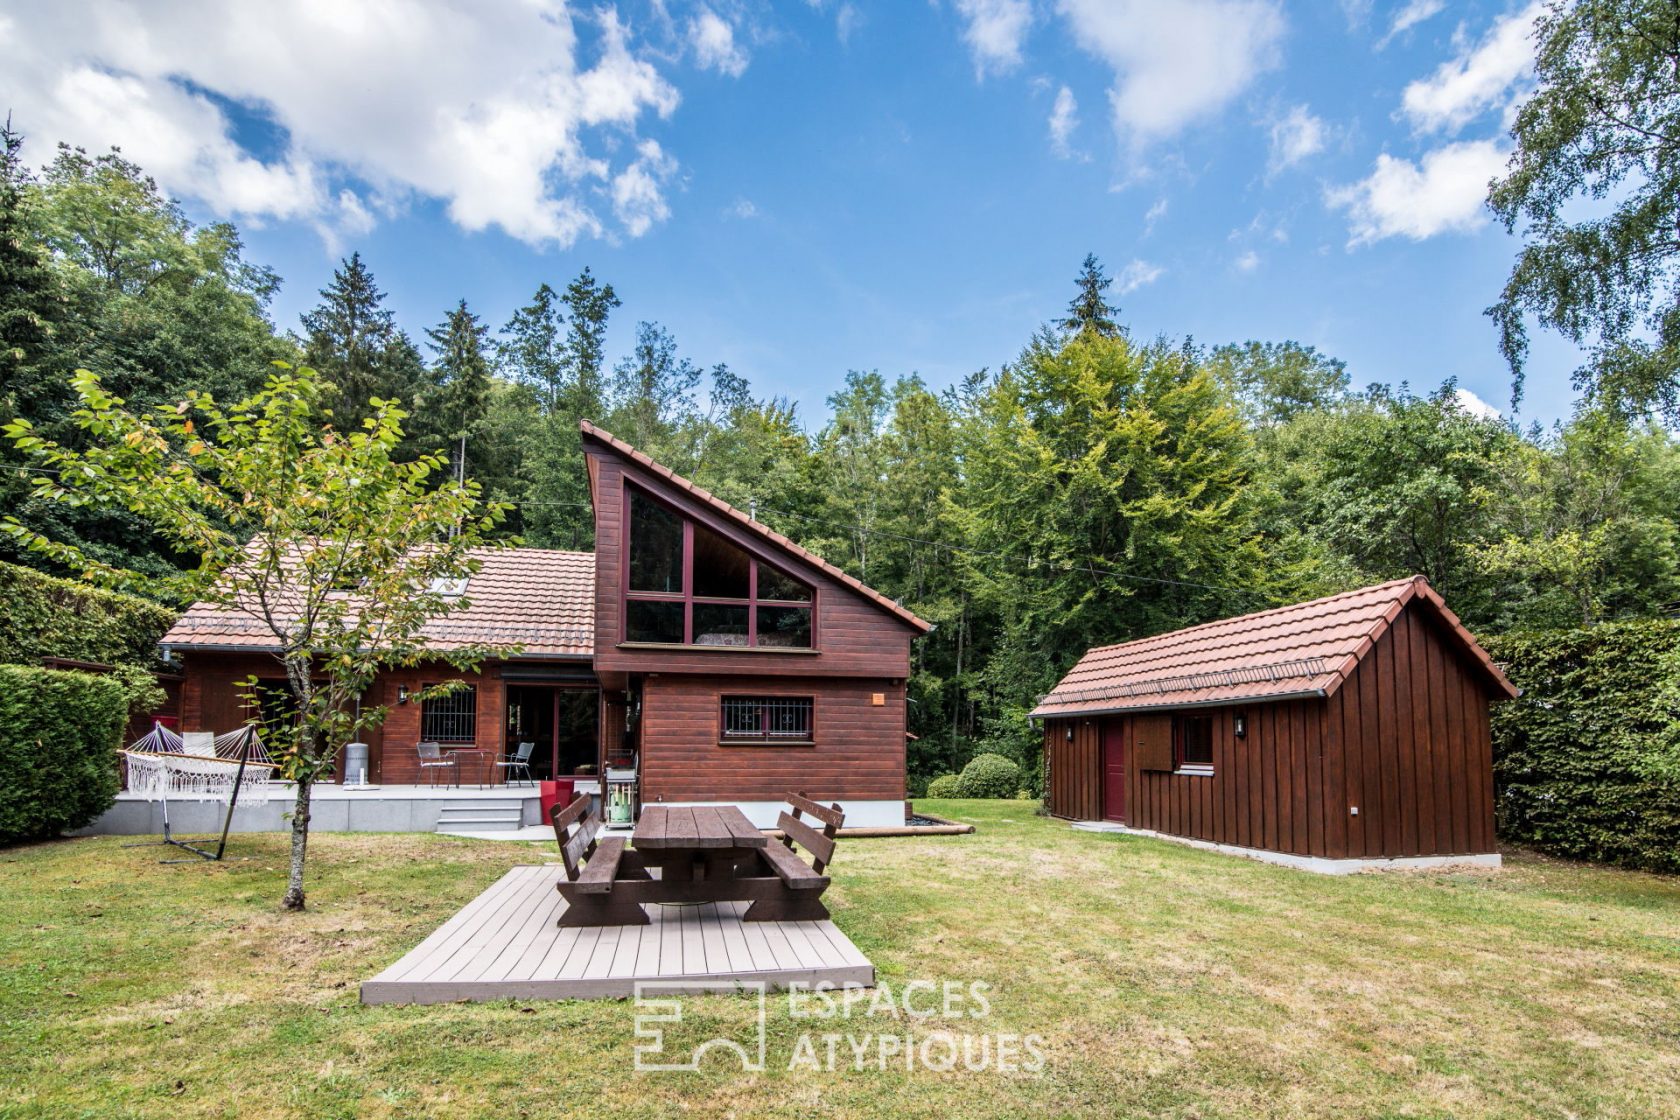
[(799, 189)]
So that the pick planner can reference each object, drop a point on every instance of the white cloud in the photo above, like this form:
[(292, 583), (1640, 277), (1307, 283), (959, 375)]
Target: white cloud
[(1175, 61), (1444, 193), (742, 208), (1475, 405), (638, 191), (1477, 78), (1248, 262), (1135, 275), (1154, 214), (846, 22), (495, 109), (995, 32), (1064, 118), (1408, 17), (1296, 135), (713, 40)]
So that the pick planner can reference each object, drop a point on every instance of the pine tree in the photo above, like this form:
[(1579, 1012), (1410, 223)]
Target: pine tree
[(588, 305), (454, 405), (653, 390), (354, 342), (532, 351), (1090, 309)]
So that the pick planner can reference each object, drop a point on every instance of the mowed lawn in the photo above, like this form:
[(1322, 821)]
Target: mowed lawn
[(1164, 982)]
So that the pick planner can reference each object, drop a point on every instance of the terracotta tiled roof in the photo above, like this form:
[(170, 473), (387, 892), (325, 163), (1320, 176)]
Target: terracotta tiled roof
[(758, 528), (541, 599), (1300, 650)]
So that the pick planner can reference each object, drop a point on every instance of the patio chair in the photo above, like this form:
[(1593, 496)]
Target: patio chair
[(433, 761), (521, 761)]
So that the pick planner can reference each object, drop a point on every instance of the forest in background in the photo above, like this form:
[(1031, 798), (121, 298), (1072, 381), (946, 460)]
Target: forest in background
[(1102, 484)]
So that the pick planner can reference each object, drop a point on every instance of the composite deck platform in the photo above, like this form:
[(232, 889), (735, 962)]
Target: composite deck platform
[(505, 944)]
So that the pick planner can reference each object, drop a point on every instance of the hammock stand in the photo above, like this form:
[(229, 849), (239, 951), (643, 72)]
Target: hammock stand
[(160, 756)]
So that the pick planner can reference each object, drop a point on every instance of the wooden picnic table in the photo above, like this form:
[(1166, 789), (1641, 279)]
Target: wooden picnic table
[(701, 843), (702, 853)]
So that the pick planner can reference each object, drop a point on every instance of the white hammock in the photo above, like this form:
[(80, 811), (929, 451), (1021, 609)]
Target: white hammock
[(159, 768)]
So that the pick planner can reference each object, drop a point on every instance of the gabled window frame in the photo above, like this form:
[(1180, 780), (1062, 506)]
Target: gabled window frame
[(689, 600)]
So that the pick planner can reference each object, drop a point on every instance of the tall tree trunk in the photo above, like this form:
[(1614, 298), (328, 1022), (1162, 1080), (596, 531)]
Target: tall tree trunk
[(300, 845), (298, 668)]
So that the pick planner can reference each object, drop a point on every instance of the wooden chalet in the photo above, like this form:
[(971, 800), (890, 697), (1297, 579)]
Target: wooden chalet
[(1334, 735), (718, 659)]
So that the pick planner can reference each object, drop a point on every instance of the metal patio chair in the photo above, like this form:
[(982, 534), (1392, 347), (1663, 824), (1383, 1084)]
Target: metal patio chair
[(521, 761), (433, 761)]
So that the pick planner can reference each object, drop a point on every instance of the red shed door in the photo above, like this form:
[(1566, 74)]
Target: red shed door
[(1114, 770)]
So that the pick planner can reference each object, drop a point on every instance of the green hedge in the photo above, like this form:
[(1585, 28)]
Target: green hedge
[(59, 733), (1583, 761), (51, 617)]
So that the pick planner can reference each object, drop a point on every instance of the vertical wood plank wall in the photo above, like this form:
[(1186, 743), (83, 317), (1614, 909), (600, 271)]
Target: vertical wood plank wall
[(1406, 739), (1073, 784)]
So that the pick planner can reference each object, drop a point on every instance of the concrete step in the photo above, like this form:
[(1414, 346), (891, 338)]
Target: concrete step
[(467, 808), (511, 823)]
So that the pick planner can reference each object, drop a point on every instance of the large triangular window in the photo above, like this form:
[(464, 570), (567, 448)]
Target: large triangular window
[(688, 584)]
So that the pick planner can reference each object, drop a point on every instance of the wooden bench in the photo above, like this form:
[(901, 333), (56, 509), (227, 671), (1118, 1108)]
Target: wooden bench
[(803, 884), (594, 865)]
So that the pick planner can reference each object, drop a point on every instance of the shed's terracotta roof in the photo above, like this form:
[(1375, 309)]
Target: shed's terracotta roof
[(758, 528), (540, 599), (1301, 650)]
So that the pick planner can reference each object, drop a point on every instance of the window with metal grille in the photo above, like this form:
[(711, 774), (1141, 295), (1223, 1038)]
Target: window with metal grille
[(767, 719), (450, 718)]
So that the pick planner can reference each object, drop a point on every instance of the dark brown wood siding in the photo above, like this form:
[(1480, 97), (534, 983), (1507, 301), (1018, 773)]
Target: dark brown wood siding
[(1073, 778), (1412, 728), (859, 751), (1259, 794), (853, 637), (1405, 740)]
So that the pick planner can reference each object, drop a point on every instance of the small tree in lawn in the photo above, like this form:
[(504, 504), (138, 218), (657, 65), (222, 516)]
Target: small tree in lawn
[(331, 549)]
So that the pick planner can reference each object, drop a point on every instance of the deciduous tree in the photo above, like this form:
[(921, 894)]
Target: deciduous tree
[(1602, 128), (324, 544)]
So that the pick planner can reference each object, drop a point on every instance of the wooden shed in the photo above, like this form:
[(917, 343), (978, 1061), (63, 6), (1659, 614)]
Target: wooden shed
[(1343, 733)]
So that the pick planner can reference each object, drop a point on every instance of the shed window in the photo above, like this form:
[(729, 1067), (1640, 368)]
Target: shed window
[(1194, 737), (690, 585), (451, 718), (767, 719)]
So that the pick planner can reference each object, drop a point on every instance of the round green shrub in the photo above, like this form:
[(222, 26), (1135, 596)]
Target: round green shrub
[(989, 775), (944, 786)]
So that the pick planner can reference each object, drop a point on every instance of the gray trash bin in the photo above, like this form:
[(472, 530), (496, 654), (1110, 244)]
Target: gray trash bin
[(355, 764)]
